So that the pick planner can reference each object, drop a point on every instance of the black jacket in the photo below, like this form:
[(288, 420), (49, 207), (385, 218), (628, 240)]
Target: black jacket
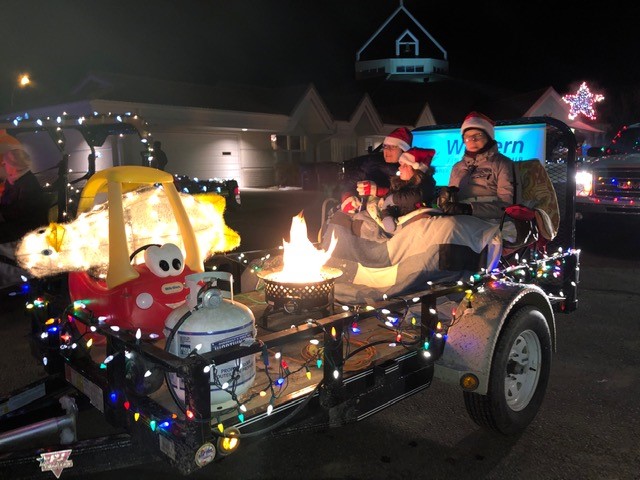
[(23, 208), (367, 167), (407, 196)]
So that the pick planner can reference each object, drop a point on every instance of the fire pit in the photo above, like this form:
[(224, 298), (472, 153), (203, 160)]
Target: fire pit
[(298, 297), (303, 283)]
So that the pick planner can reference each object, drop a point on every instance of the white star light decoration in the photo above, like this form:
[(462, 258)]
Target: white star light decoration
[(582, 102)]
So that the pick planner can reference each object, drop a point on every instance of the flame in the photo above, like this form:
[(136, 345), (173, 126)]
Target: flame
[(303, 262)]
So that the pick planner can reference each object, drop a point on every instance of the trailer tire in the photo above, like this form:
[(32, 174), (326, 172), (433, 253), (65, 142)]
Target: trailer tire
[(519, 375)]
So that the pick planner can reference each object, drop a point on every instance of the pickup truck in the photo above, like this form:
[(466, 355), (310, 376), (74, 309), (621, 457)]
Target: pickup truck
[(609, 184), (246, 355)]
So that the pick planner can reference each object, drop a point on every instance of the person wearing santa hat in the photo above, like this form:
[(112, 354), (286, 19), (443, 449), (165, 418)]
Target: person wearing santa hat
[(373, 178), (413, 188), (481, 183), (22, 204)]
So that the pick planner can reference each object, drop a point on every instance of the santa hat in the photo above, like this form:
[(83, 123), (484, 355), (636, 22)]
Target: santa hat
[(400, 137), (479, 121), (7, 142), (418, 158)]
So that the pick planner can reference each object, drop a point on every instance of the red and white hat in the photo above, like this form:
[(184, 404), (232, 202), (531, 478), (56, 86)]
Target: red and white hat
[(400, 137), (418, 158), (479, 121)]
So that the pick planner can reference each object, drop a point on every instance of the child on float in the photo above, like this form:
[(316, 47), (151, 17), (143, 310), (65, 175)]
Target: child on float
[(414, 187)]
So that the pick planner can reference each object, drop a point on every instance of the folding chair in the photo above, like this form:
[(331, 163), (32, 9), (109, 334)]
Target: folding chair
[(535, 212)]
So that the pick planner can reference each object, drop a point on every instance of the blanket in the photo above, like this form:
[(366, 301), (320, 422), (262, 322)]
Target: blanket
[(428, 247)]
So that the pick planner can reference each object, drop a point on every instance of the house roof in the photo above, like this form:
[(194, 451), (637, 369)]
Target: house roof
[(382, 43), (221, 96), (401, 103)]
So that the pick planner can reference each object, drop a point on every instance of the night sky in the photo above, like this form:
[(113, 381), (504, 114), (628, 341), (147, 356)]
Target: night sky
[(520, 45)]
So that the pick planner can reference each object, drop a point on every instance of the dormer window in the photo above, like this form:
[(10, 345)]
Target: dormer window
[(407, 45)]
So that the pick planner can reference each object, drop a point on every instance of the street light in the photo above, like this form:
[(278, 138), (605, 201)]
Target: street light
[(23, 81)]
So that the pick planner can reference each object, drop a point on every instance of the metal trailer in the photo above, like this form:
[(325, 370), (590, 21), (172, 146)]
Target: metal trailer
[(493, 335)]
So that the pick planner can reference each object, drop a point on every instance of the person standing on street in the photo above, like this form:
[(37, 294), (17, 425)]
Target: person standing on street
[(7, 142), (22, 204), (159, 157)]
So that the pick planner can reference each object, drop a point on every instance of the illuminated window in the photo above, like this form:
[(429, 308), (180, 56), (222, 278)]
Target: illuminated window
[(410, 69), (291, 143)]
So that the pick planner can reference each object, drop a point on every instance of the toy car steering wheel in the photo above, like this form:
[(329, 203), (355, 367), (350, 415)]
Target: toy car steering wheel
[(142, 249)]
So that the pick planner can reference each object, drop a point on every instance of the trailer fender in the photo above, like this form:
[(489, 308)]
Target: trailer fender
[(479, 320)]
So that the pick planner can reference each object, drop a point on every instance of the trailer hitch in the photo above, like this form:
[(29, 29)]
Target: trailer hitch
[(64, 426)]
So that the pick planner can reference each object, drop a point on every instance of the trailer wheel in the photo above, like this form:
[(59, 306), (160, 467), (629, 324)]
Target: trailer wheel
[(519, 375)]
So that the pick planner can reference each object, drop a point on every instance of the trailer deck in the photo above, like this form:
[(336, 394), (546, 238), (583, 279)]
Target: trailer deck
[(340, 368)]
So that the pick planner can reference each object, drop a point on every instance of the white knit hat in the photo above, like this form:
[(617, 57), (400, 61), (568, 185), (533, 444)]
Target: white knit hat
[(418, 158), (479, 121), (400, 137)]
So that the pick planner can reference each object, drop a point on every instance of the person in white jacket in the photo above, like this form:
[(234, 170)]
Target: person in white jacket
[(481, 183)]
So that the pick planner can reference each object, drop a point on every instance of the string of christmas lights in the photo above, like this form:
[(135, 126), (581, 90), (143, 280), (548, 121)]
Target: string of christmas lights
[(546, 266), (582, 102)]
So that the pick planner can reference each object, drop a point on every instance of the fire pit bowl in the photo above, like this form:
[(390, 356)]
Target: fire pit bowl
[(296, 297)]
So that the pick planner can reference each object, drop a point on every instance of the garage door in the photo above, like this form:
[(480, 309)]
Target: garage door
[(201, 155)]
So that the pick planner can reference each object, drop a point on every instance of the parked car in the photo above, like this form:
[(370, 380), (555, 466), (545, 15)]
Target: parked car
[(228, 188), (610, 184)]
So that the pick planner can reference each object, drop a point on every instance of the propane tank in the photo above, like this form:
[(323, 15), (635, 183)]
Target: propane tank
[(213, 320)]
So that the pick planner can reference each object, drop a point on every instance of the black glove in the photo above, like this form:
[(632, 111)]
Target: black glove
[(447, 195), (448, 202), (456, 208)]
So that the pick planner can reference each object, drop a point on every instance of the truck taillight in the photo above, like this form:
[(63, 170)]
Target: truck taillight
[(236, 193), (584, 183)]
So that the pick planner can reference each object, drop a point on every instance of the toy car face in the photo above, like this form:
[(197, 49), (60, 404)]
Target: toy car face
[(142, 303)]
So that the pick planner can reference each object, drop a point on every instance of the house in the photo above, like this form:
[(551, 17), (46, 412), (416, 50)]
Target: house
[(401, 49), (265, 136)]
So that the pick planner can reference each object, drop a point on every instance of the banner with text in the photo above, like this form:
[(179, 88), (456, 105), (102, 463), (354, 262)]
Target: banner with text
[(518, 142)]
